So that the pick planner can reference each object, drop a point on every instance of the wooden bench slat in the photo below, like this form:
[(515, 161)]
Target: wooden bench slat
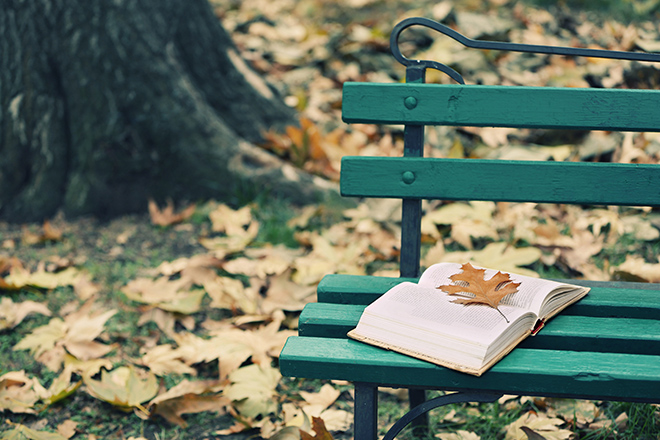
[(606, 299), (502, 106), (563, 332), (497, 180), (586, 375), (351, 289)]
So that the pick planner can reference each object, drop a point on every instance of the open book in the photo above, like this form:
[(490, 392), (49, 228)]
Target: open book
[(423, 321)]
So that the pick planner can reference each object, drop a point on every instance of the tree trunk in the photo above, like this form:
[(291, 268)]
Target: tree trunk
[(104, 104)]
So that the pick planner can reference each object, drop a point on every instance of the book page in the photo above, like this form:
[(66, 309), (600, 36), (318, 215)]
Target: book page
[(430, 310), (530, 296)]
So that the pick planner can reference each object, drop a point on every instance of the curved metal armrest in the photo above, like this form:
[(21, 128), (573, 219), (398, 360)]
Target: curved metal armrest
[(498, 45)]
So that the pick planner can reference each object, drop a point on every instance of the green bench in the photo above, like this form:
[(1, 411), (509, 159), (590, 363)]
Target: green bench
[(605, 347)]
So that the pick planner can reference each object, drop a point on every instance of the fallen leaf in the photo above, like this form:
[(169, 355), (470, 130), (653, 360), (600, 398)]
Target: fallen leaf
[(67, 428), (252, 390), (230, 293), (531, 434), (481, 291), (458, 435), (320, 431), (22, 432), (12, 314), (124, 388), (169, 295), (230, 221), (61, 387), (164, 359), (48, 233), (85, 288), (167, 216), (87, 368), (19, 393), (187, 398), (579, 411), (76, 334), (545, 426), (19, 277), (639, 267)]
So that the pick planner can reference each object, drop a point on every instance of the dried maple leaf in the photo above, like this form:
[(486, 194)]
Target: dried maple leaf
[(11, 313), (320, 431), (20, 432), (252, 390), (167, 217), (188, 398), (75, 333), (489, 292), (124, 388)]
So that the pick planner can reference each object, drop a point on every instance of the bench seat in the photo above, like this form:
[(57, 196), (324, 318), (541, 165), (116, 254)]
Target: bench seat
[(525, 371), (619, 326)]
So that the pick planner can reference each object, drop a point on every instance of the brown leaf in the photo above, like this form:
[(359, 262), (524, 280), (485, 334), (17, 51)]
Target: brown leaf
[(67, 428), (531, 434), (489, 292), (167, 216), (321, 433), (188, 398), (11, 314), (124, 387)]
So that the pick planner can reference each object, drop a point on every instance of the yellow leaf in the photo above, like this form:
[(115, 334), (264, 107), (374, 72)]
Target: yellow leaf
[(86, 368), (43, 338), (252, 390), (123, 387), (11, 313), (19, 393), (22, 432), (61, 387), (20, 277)]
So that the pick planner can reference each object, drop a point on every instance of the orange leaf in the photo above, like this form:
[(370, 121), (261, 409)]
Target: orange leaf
[(318, 426), (167, 217), (489, 292)]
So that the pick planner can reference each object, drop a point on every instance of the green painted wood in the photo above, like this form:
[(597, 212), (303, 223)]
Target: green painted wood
[(584, 375), (606, 299), (328, 320), (355, 289), (607, 335), (563, 332), (502, 106), (514, 181)]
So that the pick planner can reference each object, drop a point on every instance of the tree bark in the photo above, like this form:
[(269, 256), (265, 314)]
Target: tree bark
[(104, 104)]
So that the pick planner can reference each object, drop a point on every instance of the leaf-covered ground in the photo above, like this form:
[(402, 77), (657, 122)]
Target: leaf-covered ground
[(168, 324)]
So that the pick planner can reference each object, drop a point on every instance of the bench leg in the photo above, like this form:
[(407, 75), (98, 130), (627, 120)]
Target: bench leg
[(421, 423), (366, 412)]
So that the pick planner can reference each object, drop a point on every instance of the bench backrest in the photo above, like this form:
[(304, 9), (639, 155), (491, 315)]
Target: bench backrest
[(413, 178)]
